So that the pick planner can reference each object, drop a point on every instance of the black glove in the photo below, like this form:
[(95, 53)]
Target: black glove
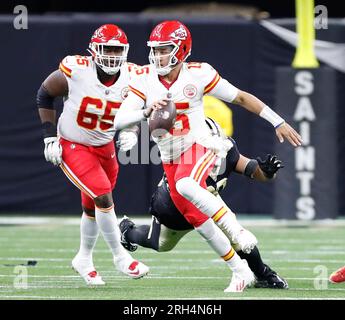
[(270, 166)]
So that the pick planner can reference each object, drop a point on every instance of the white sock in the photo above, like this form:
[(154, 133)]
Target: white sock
[(220, 244), (88, 235), (235, 263), (107, 222), (228, 222), (209, 204)]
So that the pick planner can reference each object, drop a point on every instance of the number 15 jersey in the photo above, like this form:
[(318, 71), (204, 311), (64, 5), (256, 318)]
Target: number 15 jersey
[(193, 82)]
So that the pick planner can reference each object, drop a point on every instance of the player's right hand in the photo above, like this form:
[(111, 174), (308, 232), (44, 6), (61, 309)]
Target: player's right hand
[(155, 106), (53, 150)]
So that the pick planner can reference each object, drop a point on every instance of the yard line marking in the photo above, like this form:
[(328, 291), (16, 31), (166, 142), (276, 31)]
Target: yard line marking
[(230, 297), (297, 260), (177, 260), (71, 278), (266, 253), (310, 289), (114, 286), (245, 221), (305, 241), (306, 252), (37, 297)]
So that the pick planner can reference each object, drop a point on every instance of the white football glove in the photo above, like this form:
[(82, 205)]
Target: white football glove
[(127, 140), (217, 186), (53, 150)]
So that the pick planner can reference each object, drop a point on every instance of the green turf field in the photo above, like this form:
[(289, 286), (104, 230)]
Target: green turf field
[(303, 255)]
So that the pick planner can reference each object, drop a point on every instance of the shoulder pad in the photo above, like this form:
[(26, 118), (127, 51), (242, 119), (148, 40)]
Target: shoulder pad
[(72, 63)]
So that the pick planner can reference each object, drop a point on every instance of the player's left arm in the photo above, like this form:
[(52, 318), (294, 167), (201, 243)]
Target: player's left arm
[(255, 105), (224, 90)]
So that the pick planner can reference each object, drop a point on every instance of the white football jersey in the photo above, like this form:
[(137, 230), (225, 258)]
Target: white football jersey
[(193, 82), (90, 107)]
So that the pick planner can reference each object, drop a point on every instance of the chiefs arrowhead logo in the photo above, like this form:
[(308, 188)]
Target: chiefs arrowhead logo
[(179, 34)]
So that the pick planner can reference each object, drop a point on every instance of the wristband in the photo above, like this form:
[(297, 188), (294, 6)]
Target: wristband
[(268, 114), (250, 168)]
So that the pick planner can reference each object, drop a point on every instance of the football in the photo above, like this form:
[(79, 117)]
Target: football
[(162, 120)]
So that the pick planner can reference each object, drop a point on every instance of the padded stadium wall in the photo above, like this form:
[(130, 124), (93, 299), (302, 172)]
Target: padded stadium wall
[(243, 51)]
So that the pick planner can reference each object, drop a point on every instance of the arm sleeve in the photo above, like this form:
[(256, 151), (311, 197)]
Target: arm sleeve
[(44, 99)]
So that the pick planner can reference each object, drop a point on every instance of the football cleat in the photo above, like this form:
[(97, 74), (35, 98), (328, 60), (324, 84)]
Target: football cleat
[(338, 276), (125, 225), (241, 279), (270, 279), (131, 267), (244, 241), (84, 267)]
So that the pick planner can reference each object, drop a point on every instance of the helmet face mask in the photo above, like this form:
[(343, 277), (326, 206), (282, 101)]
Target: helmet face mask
[(109, 63), (165, 62), (169, 33), (109, 48)]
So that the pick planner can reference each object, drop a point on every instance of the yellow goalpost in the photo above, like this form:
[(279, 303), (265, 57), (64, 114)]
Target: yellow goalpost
[(305, 55)]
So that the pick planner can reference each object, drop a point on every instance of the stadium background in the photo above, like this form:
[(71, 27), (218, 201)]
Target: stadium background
[(241, 49)]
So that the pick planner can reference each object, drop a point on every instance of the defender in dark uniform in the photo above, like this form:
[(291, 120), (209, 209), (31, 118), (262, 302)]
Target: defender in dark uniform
[(168, 225)]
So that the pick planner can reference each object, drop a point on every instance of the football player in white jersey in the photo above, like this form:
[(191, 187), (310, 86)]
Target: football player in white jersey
[(188, 151), (82, 144)]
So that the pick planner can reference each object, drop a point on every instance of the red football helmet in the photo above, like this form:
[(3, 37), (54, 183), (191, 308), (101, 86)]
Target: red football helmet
[(170, 33), (109, 35)]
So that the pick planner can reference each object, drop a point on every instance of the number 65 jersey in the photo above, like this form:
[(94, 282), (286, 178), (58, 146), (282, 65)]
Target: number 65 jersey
[(90, 107), (193, 82)]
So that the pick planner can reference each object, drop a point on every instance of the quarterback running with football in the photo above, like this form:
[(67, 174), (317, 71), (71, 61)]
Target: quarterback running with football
[(188, 151), (168, 226), (82, 144)]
